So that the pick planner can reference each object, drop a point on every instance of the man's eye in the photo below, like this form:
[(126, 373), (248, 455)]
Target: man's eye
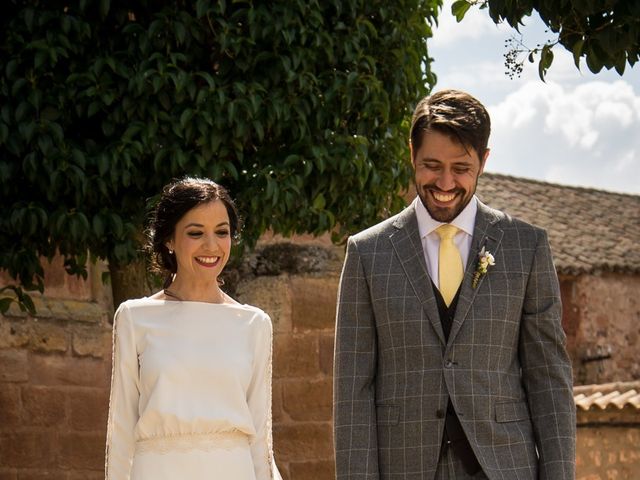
[(461, 170)]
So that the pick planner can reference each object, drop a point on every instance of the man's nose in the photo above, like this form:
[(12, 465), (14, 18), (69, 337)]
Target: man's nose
[(445, 180)]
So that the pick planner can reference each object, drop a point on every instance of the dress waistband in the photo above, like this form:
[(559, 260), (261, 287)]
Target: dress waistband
[(193, 441)]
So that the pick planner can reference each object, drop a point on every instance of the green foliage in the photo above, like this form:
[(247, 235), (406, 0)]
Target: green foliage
[(605, 33), (296, 106)]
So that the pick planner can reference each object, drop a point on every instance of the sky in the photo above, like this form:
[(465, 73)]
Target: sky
[(578, 128)]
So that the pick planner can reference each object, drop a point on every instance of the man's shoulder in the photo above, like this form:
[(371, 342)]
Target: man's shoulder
[(382, 229)]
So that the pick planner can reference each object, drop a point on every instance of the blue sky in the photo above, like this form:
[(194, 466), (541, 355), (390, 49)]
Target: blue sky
[(576, 129)]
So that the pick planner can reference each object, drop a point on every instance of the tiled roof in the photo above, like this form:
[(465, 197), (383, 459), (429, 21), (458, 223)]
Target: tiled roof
[(608, 396), (590, 230)]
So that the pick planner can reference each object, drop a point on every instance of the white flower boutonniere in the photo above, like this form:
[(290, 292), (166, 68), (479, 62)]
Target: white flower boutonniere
[(485, 260)]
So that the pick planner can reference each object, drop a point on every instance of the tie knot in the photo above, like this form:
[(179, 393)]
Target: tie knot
[(447, 231)]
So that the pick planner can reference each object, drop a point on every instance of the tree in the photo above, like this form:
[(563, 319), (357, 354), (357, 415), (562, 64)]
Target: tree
[(299, 107), (606, 33)]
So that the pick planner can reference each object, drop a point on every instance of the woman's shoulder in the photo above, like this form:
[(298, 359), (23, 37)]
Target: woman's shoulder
[(254, 311)]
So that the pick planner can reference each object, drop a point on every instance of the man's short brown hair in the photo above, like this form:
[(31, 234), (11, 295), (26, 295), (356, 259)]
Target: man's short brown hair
[(456, 114)]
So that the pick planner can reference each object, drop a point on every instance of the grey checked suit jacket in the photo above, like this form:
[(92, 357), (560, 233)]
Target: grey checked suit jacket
[(505, 364)]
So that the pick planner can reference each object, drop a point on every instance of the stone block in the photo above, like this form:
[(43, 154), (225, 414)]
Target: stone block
[(10, 406), (61, 309), (95, 342), (319, 470), (306, 400), (88, 408), (86, 475), (42, 474), (82, 450), (34, 449), (295, 355), (13, 334), (13, 365), (8, 474), (271, 294), (303, 442), (58, 283), (313, 302), (326, 353), (66, 370), (48, 337), (276, 396), (43, 406)]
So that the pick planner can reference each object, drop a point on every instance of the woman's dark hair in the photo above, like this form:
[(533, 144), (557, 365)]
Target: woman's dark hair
[(176, 200)]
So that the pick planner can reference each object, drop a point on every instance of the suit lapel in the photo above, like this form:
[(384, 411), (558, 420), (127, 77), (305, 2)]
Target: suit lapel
[(485, 234), (408, 247)]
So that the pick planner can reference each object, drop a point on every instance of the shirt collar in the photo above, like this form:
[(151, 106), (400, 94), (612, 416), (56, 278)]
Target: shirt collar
[(465, 221)]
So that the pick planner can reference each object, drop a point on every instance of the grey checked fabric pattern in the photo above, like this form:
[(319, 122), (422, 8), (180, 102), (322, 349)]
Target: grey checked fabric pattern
[(505, 365)]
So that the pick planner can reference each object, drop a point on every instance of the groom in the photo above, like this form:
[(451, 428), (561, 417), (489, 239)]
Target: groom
[(450, 358)]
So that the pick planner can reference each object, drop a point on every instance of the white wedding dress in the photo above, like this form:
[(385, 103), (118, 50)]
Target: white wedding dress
[(190, 392)]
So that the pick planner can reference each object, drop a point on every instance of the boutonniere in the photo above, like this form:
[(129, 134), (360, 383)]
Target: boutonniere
[(485, 260)]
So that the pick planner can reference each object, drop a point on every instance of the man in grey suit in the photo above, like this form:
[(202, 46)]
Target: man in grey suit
[(450, 359)]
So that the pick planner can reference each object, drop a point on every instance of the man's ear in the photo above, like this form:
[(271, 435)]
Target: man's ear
[(483, 160)]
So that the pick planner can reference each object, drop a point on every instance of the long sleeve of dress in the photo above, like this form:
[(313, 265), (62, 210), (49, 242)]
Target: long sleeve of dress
[(123, 402), (259, 401)]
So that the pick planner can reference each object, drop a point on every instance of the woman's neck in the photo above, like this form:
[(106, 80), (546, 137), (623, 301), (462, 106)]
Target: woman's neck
[(195, 292)]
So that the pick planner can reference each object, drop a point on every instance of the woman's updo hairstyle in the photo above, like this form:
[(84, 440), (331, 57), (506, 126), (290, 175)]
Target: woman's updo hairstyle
[(176, 200)]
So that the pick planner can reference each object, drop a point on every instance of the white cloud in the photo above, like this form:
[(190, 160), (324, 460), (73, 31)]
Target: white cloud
[(473, 26), (585, 135)]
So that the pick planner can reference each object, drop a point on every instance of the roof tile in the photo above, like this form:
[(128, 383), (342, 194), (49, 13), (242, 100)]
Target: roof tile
[(590, 231)]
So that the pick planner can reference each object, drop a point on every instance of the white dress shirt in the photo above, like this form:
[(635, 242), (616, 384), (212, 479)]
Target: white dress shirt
[(427, 226)]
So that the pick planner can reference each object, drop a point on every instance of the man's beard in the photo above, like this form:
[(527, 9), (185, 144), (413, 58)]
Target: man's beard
[(443, 214)]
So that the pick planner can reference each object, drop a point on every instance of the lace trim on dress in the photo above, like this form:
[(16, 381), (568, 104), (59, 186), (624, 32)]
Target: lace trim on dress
[(204, 442), (270, 460)]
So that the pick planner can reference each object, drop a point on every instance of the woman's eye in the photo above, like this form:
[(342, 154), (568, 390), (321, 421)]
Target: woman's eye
[(194, 234), (222, 233)]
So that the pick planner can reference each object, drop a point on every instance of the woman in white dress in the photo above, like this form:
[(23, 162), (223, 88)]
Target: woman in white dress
[(191, 379)]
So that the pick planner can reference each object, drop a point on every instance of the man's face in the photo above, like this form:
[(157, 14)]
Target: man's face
[(446, 175)]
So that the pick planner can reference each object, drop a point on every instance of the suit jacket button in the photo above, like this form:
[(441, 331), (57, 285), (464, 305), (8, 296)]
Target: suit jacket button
[(440, 413), (448, 364)]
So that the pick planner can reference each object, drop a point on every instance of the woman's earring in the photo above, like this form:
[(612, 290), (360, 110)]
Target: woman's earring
[(170, 252)]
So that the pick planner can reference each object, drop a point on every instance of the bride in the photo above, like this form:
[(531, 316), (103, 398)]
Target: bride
[(191, 379)]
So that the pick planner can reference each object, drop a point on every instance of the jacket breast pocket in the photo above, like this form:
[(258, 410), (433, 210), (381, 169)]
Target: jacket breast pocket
[(387, 414), (511, 411)]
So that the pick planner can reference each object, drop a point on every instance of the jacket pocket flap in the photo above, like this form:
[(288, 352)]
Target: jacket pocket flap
[(511, 411), (387, 414)]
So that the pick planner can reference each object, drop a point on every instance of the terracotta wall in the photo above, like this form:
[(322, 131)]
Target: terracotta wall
[(608, 446), (54, 382), (601, 317)]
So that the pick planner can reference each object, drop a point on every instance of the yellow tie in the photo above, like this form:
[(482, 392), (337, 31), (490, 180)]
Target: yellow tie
[(450, 270)]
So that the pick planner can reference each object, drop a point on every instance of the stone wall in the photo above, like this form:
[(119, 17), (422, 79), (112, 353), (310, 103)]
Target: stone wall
[(608, 446), (54, 381), (601, 316), (55, 369)]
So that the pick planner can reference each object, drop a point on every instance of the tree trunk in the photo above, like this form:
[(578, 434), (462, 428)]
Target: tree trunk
[(129, 281)]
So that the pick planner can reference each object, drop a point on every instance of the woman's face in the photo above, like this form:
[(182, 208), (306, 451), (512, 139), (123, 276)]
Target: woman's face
[(202, 242)]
